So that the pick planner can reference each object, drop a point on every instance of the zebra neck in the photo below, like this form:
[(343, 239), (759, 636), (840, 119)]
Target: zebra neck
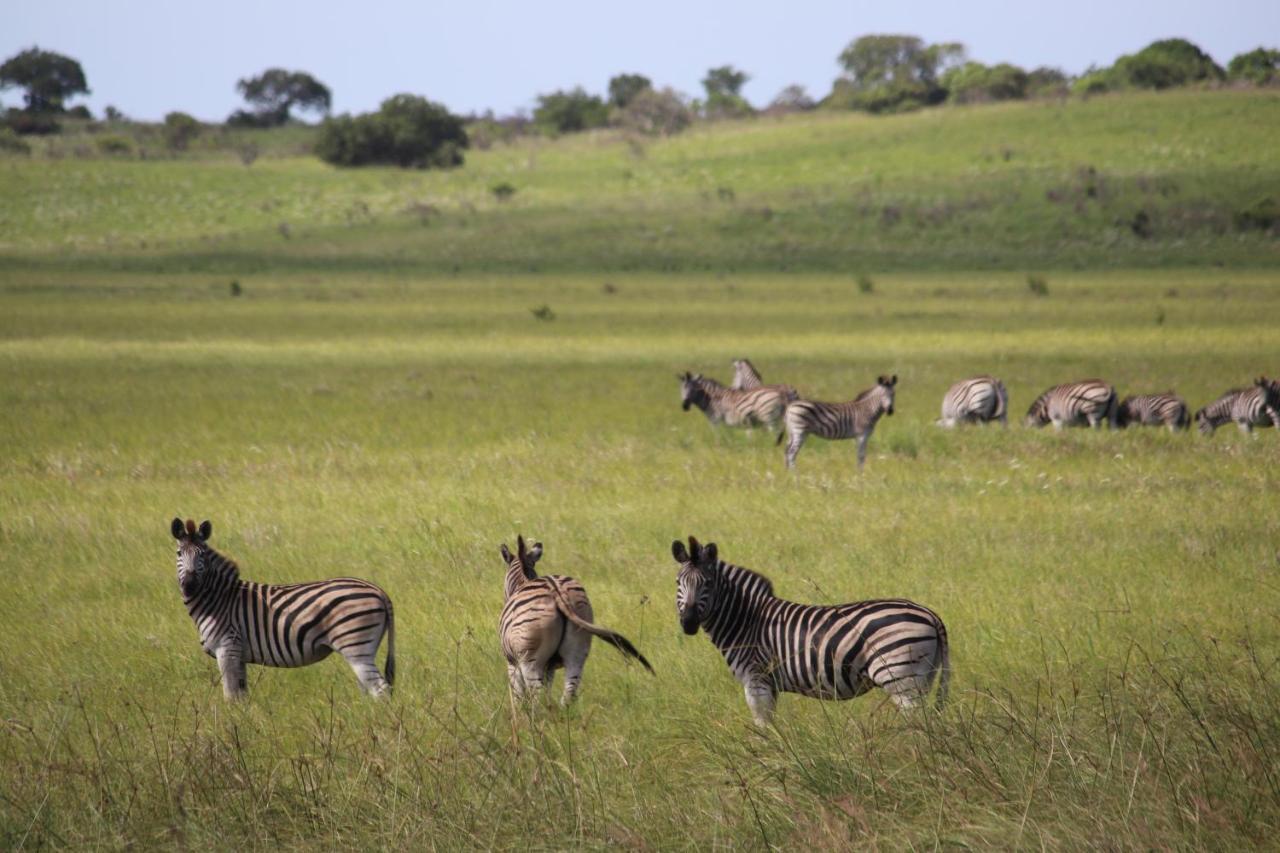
[(742, 599), (221, 576), (516, 578)]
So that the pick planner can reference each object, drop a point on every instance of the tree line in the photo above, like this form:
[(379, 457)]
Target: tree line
[(880, 73)]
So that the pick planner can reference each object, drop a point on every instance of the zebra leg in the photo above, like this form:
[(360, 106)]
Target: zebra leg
[(573, 650), (516, 681), (862, 448), (1245, 427), (793, 447), (231, 664), (1274, 414), (532, 675), (367, 673), (761, 699)]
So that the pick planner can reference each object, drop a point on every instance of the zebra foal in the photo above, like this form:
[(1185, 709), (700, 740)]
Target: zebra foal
[(243, 622), (978, 400), (837, 651), (1090, 401), (1167, 409), (854, 419), (1258, 405), (546, 624), (761, 406)]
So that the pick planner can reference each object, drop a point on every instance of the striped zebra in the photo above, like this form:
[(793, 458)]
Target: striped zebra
[(745, 375), (754, 407), (1090, 401), (1258, 405), (854, 419), (546, 624), (243, 622), (823, 651), (1167, 409), (973, 401)]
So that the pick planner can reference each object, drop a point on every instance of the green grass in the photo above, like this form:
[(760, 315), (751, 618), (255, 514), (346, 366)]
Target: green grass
[(381, 400)]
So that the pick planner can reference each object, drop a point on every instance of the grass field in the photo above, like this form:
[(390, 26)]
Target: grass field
[(1113, 599)]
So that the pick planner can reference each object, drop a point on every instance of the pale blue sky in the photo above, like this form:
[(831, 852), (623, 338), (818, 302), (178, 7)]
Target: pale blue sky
[(150, 56)]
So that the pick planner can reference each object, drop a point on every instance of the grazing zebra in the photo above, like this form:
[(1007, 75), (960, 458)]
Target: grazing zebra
[(972, 401), (1090, 401), (546, 624), (721, 405), (243, 622), (823, 651), (854, 419), (1258, 405), (1167, 409), (745, 375)]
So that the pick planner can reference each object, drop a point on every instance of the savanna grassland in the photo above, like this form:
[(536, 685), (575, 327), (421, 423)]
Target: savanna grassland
[(413, 371)]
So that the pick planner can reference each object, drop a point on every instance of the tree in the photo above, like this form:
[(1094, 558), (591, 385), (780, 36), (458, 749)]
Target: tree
[(179, 130), (406, 131), (624, 87), (886, 73), (656, 113), (570, 112), (1160, 65), (1045, 82), (723, 86), (275, 92), (1261, 67), (49, 78), (792, 99), (974, 82)]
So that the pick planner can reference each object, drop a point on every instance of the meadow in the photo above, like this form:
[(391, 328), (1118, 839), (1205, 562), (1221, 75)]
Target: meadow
[(394, 398)]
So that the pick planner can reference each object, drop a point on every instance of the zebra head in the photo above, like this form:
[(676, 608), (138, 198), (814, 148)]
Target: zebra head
[(1270, 390), (1125, 413), (1203, 422), (192, 553), (1038, 414), (691, 390), (520, 564), (695, 583), (885, 385)]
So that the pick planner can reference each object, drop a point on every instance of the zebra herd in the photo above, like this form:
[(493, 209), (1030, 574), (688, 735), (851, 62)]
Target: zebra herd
[(771, 645), (749, 402)]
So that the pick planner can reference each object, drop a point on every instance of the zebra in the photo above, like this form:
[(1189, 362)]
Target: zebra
[(978, 400), (1090, 401), (745, 375), (243, 622), (757, 406), (546, 624), (823, 651), (1167, 409), (1258, 405), (854, 419)]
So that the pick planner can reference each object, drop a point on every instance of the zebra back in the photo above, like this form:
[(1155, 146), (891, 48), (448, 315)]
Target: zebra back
[(1087, 401), (980, 399), (756, 406), (1167, 409)]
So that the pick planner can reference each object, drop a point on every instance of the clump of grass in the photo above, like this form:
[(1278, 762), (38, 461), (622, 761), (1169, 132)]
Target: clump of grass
[(503, 191), (543, 312), (866, 284), (1038, 285), (236, 289)]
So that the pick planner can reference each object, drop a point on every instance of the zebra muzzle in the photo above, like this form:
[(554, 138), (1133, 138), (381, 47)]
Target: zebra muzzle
[(689, 622)]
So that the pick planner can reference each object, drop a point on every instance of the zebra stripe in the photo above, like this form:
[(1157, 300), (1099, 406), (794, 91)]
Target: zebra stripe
[(745, 375), (1248, 407), (754, 407), (854, 419), (243, 622), (978, 400), (1167, 409), (546, 624), (1090, 401), (823, 651)]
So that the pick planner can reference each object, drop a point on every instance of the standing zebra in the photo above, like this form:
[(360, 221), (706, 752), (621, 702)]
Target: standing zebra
[(745, 375), (1090, 401), (972, 401), (546, 624), (721, 405), (243, 622), (1167, 409), (822, 651), (854, 419), (1258, 405)]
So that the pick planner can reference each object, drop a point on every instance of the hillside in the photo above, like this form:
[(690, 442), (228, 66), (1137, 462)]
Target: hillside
[(1118, 181)]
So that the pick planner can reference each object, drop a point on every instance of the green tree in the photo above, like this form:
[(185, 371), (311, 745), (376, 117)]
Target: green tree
[(1160, 65), (624, 87), (723, 86), (974, 82), (407, 131), (886, 73), (179, 130), (570, 112), (49, 78), (656, 113), (1044, 82), (1260, 66), (274, 93)]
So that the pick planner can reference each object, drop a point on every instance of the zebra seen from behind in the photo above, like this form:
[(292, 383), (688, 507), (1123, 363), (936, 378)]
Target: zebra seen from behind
[(243, 622), (1088, 402), (854, 419), (1167, 409), (761, 406), (1258, 405), (837, 651), (981, 399), (546, 624)]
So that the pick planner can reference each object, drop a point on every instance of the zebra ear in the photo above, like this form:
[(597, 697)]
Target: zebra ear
[(710, 555), (505, 552), (893, 380), (206, 529), (534, 554), (176, 528), (678, 551)]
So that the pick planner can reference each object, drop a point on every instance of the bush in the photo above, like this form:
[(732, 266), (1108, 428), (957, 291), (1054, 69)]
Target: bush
[(655, 113), (792, 99), (570, 112), (974, 82), (179, 130), (32, 124), (1160, 65), (502, 191), (1046, 82), (1262, 215), (1038, 285), (113, 145), (80, 112), (1261, 67), (407, 131), (11, 143)]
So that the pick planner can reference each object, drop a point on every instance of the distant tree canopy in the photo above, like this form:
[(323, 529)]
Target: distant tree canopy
[(624, 87), (49, 78), (723, 87), (792, 99), (570, 112), (179, 130), (274, 93), (1160, 65), (1045, 81), (888, 73), (974, 82), (1260, 67), (407, 131), (655, 113)]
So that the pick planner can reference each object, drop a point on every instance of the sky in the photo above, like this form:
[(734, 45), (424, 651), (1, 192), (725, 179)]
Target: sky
[(148, 57)]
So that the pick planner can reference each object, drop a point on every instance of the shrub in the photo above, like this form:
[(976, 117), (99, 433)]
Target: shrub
[(407, 131), (113, 145), (80, 112), (502, 191), (623, 88), (1160, 65), (11, 143), (1046, 82), (1038, 285), (655, 113), (1261, 67), (974, 82), (1262, 215), (792, 99), (569, 112), (865, 284), (179, 130), (32, 124)]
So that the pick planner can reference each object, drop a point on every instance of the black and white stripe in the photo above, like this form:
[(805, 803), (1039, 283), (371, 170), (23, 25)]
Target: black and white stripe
[(1258, 405), (972, 401), (1167, 409), (546, 624), (854, 419), (242, 622), (761, 406), (745, 375), (1089, 402), (823, 651)]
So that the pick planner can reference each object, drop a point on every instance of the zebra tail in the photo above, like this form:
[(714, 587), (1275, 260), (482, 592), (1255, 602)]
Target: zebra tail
[(944, 669), (781, 436), (613, 638), (391, 645)]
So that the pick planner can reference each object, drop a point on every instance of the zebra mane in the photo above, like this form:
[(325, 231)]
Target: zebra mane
[(741, 576), (705, 381), (867, 393), (222, 564)]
